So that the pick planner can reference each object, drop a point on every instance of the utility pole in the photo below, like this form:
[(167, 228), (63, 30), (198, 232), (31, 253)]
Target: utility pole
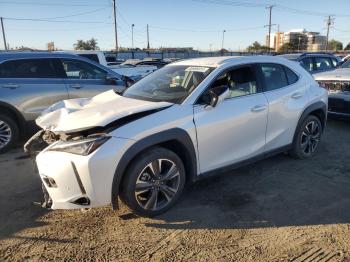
[(132, 36), (115, 27), (222, 43), (3, 33), (147, 37), (269, 37), (329, 22)]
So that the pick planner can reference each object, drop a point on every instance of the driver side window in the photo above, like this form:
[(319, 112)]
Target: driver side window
[(240, 81), (76, 69)]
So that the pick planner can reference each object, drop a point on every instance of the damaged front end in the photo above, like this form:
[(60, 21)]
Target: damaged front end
[(33, 147)]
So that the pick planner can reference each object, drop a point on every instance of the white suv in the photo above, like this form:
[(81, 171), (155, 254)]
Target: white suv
[(185, 121)]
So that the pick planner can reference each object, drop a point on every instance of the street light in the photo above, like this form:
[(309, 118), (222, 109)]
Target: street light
[(222, 44), (132, 36)]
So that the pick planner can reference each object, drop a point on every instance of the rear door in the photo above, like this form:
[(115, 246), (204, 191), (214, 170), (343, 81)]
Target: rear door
[(87, 80), (31, 85), (287, 98)]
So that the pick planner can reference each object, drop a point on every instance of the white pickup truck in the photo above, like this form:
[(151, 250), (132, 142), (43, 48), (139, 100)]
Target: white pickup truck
[(126, 70)]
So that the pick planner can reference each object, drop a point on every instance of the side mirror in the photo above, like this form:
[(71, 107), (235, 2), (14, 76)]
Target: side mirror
[(215, 95), (111, 79)]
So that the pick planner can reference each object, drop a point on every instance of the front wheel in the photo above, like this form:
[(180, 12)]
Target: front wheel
[(307, 138), (153, 182), (8, 133)]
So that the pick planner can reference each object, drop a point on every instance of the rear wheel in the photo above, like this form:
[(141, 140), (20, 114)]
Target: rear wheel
[(8, 133), (153, 182), (307, 138)]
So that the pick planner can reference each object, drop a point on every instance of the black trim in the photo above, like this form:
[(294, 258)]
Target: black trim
[(80, 183), (313, 107), (179, 135), (254, 159)]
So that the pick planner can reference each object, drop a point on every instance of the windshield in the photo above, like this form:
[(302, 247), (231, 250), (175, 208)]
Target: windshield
[(171, 83), (346, 64)]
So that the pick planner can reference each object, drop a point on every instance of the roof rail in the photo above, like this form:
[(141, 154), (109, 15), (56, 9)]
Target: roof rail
[(315, 53)]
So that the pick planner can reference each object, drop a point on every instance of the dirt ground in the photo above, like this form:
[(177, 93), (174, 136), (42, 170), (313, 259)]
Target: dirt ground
[(279, 209)]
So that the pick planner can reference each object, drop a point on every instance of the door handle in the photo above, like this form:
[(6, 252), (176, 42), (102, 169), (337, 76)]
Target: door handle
[(297, 95), (10, 86), (76, 86), (258, 108)]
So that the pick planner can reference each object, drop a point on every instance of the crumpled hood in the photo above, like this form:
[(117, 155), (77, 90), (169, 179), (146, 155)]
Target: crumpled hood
[(341, 74), (83, 113)]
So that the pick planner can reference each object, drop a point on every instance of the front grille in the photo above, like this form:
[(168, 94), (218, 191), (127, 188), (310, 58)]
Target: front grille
[(335, 86)]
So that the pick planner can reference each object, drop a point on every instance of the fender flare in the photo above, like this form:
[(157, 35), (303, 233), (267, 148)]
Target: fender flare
[(177, 134), (315, 106)]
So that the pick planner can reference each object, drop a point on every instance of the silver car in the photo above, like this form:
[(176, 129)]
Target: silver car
[(337, 83), (31, 82)]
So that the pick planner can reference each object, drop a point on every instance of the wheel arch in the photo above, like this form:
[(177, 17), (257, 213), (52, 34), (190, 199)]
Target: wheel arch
[(318, 109), (176, 140), (14, 113)]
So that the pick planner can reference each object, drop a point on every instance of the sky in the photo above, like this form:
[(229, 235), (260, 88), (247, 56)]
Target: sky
[(172, 23)]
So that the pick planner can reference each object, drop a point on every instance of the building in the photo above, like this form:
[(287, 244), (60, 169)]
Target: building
[(296, 38), (51, 46), (316, 42), (299, 38)]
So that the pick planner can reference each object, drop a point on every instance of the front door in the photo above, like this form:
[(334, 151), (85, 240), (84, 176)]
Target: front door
[(31, 85), (85, 80), (235, 129)]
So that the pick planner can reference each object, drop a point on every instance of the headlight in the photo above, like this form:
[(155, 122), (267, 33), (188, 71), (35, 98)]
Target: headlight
[(80, 147)]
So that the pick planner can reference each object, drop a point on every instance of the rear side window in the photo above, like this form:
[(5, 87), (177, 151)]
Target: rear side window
[(28, 68), (274, 76), (92, 57), (291, 76), (307, 63), (334, 62), (323, 63)]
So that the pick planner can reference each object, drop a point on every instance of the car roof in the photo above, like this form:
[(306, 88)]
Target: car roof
[(224, 60), (21, 55)]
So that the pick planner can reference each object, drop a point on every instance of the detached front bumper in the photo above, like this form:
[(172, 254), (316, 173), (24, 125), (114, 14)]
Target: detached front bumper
[(75, 181)]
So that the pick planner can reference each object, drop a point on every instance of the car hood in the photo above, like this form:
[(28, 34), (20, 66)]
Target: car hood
[(75, 115), (341, 74)]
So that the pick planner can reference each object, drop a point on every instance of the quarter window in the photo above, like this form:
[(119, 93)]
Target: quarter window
[(291, 76), (274, 76), (28, 68), (76, 69), (323, 63)]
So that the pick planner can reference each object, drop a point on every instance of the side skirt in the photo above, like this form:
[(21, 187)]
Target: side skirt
[(254, 159)]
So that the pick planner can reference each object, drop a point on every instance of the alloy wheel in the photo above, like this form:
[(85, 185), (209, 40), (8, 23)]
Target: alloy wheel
[(5, 134), (310, 137), (157, 184)]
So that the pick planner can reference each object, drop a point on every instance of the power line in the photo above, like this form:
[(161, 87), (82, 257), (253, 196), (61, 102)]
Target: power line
[(279, 7), (205, 31), (54, 21), (77, 14), (43, 4)]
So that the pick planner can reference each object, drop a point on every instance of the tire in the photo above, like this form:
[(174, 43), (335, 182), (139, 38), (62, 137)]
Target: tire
[(8, 133), (149, 192), (307, 138)]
